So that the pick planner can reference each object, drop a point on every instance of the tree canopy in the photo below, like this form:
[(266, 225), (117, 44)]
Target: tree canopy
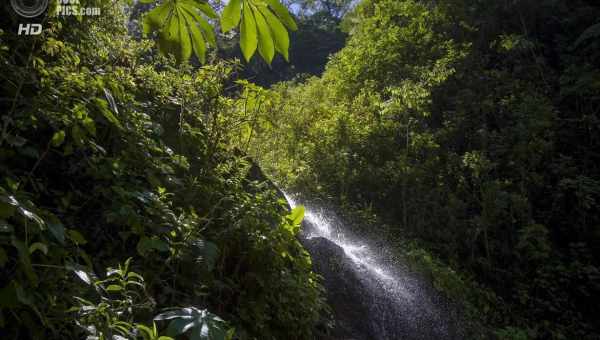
[(468, 131)]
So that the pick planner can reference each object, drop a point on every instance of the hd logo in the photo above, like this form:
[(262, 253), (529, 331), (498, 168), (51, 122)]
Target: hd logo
[(29, 9), (30, 29)]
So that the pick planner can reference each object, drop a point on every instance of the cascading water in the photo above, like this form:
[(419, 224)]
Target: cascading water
[(372, 296)]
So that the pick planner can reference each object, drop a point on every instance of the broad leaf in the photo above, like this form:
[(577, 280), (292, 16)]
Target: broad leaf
[(198, 42), (114, 288), (265, 41), (186, 313), (207, 30), (82, 272), (177, 24), (185, 42), (58, 138), (249, 35), (179, 326), (297, 215), (103, 105), (156, 19), (196, 323), (280, 34), (231, 15), (205, 8), (283, 14)]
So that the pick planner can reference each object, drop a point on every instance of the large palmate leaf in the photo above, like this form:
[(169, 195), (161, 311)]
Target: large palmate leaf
[(182, 27), (198, 324), (263, 24)]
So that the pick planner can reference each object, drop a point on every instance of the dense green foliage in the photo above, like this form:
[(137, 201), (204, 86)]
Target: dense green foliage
[(121, 196), (473, 127)]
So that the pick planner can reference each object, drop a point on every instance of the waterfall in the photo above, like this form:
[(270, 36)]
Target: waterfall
[(397, 303), (329, 227)]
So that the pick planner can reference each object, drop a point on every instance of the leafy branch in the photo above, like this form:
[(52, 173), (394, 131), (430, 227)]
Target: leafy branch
[(183, 27)]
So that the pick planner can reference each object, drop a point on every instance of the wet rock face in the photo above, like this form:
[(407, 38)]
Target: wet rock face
[(362, 306), (345, 293), (372, 294)]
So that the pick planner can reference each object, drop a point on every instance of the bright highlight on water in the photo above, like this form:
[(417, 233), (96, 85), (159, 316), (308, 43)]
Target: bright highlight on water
[(326, 227)]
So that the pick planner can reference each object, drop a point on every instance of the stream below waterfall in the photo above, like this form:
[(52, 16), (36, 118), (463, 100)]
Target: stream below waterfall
[(372, 295)]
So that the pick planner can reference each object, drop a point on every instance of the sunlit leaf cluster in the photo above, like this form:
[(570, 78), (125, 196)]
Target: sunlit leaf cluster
[(185, 26)]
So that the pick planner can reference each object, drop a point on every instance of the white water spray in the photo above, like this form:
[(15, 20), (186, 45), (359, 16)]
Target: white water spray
[(361, 254), (399, 307)]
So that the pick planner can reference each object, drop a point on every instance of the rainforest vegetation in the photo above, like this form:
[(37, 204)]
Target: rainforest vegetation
[(138, 152)]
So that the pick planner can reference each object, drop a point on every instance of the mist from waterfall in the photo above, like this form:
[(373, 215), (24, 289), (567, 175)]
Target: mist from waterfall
[(399, 307), (329, 227)]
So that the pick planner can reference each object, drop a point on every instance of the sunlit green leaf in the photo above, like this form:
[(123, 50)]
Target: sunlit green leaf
[(206, 9), (265, 40), (114, 288), (297, 215), (280, 34), (58, 138), (177, 24), (185, 43), (231, 15), (283, 14), (156, 18), (197, 20), (249, 35), (106, 112)]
